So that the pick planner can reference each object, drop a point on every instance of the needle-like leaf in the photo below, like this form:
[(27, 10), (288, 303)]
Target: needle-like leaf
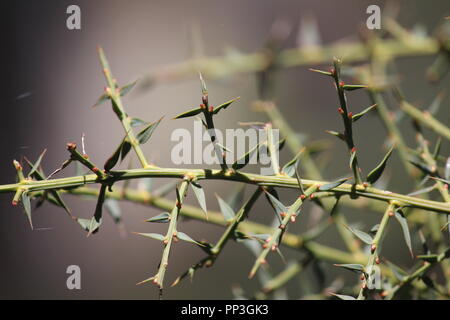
[(289, 168), (190, 113), (404, 224), (376, 173), (147, 132), (366, 238), (200, 195), (333, 185), (160, 218), (227, 211), (224, 105)]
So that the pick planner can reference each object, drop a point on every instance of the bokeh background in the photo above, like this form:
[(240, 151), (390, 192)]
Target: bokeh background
[(51, 77)]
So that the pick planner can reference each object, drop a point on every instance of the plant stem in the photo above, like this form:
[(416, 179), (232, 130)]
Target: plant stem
[(218, 67), (276, 235), (375, 250), (426, 119), (310, 168), (208, 174), (171, 234), (114, 94), (240, 216)]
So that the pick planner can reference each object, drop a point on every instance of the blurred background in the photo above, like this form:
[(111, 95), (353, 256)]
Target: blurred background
[(51, 77)]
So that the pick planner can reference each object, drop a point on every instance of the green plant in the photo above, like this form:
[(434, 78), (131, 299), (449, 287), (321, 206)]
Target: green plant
[(424, 166)]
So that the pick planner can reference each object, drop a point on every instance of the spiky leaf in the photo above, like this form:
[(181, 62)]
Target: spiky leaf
[(398, 272), (147, 132), (325, 73), (37, 163), (160, 218), (276, 204), (244, 160), (27, 207), (190, 113), (352, 267), (376, 173), (224, 105), (424, 168), (112, 161), (103, 98), (200, 195), (120, 153), (96, 220), (366, 238), (86, 224), (336, 134), (183, 236), (358, 116), (352, 87), (236, 198), (127, 88), (333, 185), (114, 210), (136, 122), (227, 211), (404, 224), (155, 236), (39, 175), (289, 168)]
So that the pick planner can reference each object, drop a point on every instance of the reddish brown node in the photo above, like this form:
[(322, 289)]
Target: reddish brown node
[(340, 110), (353, 150), (350, 115), (17, 165), (71, 146), (208, 264), (302, 197)]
